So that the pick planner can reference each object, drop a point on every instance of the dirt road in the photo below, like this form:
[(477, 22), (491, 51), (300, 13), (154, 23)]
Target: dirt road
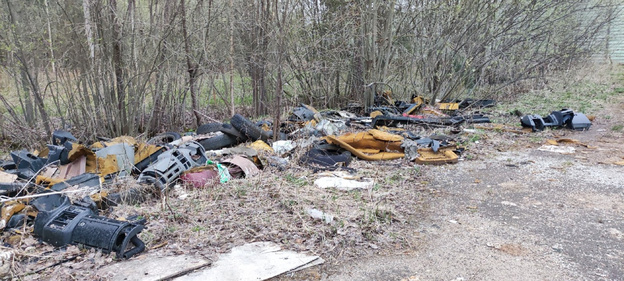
[(519, 213)]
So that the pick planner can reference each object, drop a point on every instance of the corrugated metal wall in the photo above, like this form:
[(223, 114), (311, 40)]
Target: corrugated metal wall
[(616, 38)]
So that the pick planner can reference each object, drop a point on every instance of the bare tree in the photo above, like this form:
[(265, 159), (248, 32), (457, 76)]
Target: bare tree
[(125, 67)]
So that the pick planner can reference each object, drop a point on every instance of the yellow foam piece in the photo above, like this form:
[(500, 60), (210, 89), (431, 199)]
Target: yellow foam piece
[(385, 136), (358, 153), (260, 145), (427, 156)]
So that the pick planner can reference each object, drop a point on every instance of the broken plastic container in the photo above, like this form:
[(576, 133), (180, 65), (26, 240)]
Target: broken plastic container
[(579, 122), (172, 163), (560, 118), (71, 224), (123, 153)]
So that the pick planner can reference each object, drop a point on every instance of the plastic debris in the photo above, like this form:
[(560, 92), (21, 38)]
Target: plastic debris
[(224, 174), (259, 145), (246, 165), (342, 183), (198, 177), (284, 146), (557, 149), (72, 224), (428, 156), (118, 157), (327, 127), (320, 215), (562, 118), (172, 163)]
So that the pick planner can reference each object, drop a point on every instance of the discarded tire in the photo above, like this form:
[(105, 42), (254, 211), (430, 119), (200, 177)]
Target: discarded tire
[(249, 129), (219, 141), (209, 128), (221, 127), (230, 130), (327, 158)]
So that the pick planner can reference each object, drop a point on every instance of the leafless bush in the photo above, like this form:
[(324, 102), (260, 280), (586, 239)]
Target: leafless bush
[(113, 68)]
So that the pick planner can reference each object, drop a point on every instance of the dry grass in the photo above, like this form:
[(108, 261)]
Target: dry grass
[(268, 207), (272, 207)]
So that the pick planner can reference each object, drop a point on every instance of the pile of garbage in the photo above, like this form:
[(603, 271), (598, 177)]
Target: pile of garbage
[(39, 189)]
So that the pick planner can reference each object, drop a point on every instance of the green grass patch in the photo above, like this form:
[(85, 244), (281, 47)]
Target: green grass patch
[(295, 180), (586, 95)]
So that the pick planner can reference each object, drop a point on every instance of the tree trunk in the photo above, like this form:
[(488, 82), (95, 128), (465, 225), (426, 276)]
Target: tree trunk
[(29, 75), (88, 31), (118, 65), (231, 57), (192, 68)]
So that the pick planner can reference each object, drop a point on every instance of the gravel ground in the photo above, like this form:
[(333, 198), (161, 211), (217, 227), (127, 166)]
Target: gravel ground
[(498, 222), (518, 213)]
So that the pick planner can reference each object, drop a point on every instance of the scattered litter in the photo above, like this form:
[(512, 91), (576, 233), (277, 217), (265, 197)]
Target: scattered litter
[(116, 158), (68, 171), (258, 145), (567, 141), (410, 148), (320, 215), (172, 163), (284, 146), (428, 156), (59, 137), (224, 173), (254, 261), (326, 157), (180, 192), (557, 149), (329, 128), (342, 183), (83, 180), (562, 118), (346, 114), (244, 164), (8, 210), (278, 162), (199, 177), (304, 113)]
